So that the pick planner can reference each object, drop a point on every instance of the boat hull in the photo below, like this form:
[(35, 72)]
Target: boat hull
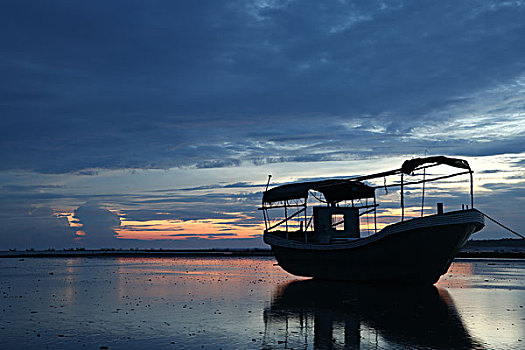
[(415, 251)]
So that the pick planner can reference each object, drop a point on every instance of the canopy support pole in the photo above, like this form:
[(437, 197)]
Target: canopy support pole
[(367, 221), (265, 220), (423, 192), (375, 214), (471, 190), (420, 181), (402, 199), (305, 223), (286, 216)]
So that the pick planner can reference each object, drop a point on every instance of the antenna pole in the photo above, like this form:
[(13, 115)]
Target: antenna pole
[(268, 183)]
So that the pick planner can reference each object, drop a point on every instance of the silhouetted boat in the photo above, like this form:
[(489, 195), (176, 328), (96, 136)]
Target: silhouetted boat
[(418, 250)]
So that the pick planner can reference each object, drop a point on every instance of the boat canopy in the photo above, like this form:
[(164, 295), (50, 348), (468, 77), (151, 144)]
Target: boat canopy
[(411, 164), (333, 191), (336, 190)]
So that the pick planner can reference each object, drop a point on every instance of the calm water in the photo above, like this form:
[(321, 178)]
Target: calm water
[(249, 303)]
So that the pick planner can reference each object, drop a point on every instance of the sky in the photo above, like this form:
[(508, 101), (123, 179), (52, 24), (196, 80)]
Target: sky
[(155, 123)]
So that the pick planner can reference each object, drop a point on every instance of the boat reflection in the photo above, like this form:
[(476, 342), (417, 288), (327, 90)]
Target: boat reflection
[(337, 315)]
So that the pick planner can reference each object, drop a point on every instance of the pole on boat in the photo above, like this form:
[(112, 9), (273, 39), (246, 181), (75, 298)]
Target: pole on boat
[(423, 194), (402, 199), (286, 216), (266, 218), (471, 189), (375, 213), (268, 183), (305, 222), (367, 222), (440, 208)]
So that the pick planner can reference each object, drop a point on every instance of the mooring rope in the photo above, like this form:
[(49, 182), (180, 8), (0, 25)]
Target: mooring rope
[(499, 223)]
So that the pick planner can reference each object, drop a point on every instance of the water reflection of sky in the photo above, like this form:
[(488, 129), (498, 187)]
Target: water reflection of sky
[(490, 297), (235, 303)]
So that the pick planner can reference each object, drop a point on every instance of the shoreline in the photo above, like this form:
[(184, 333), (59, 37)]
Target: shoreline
[(159, 253), (74, 253)]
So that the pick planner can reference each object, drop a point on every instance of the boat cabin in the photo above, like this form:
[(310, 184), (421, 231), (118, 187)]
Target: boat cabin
[(335, 223), (338, 220)]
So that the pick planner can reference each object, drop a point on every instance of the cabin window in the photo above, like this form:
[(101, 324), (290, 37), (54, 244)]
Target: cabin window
[(338, 221)]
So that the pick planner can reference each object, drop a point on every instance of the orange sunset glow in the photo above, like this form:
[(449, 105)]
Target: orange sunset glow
[(180, 229)]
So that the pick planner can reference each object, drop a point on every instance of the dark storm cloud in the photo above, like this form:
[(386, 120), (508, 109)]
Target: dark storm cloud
[(495, 147), (134, 84)]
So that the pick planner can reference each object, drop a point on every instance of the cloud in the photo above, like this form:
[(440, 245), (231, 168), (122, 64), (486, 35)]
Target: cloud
[(87, 172), (208, 235), (98, 225), (38, 227), (25, 188), (223, 83), (91, 88)]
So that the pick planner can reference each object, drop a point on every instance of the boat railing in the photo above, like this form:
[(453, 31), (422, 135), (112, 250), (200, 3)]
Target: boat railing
[(306, 223)]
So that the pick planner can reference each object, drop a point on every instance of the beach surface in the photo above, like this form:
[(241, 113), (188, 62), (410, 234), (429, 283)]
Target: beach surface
[(248, 302)]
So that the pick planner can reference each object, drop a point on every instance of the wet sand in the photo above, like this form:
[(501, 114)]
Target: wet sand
[(249, 303)]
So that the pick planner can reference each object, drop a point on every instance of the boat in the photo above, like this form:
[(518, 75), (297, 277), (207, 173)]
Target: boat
[(331, 229)]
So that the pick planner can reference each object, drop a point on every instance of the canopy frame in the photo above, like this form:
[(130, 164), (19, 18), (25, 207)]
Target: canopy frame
[(352, 188)]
